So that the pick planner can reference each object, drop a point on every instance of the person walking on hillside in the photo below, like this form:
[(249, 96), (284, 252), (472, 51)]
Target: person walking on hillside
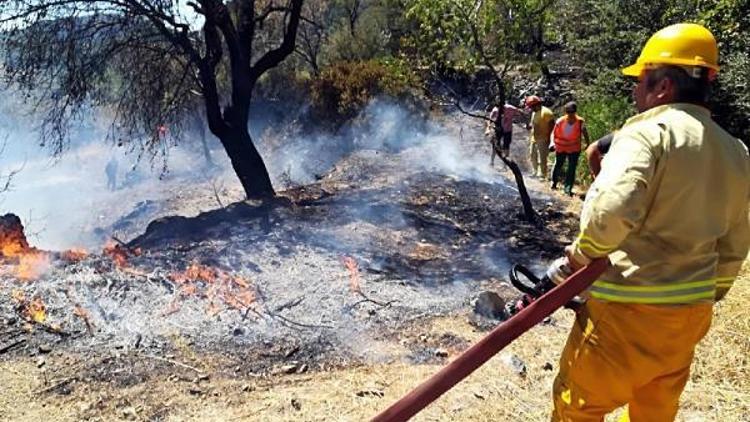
[(111, 171), (567, 135), (500, 124), (541, 125), (671, 214)]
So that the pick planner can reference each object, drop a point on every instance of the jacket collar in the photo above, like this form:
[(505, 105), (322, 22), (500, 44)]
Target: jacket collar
[(692, 109)]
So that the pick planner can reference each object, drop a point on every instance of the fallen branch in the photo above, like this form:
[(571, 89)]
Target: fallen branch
[(299, 324), (12, 345), (174, 362), (132, 251), (288, 305), (367, 299), (57, 385), (53, 329)]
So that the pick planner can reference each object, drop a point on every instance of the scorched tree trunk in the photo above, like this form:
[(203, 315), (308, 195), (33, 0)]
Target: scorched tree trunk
[(247, 163)]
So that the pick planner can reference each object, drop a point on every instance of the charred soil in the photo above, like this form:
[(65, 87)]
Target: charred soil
[(339, 274)]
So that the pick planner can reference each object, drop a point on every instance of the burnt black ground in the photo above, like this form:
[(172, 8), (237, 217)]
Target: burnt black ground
[(426, 238)]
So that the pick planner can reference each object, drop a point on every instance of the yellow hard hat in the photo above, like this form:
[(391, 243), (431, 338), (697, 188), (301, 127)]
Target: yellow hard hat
[(683, 44)]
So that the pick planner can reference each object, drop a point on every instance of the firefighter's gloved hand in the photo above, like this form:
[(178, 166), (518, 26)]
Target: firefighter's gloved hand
[(559, 270)]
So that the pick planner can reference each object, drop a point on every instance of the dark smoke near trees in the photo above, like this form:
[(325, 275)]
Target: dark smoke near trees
[(151, 63)]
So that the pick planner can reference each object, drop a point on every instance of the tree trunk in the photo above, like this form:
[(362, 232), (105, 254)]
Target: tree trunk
[(247, 163), (204, 144), (528, 209)]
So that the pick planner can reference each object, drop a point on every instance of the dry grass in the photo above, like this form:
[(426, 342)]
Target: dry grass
[(719, 389)]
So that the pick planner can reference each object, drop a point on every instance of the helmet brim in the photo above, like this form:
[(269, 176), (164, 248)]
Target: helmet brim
[(633, 70)]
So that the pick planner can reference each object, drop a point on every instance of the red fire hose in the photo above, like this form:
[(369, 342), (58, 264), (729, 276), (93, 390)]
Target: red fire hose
[(491, 344)]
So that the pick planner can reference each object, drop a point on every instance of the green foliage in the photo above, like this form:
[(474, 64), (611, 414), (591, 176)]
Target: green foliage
[(341, 91), (622, 28), (729, 20), (604, 113), (731, 101), (466, 35), (364, 43)]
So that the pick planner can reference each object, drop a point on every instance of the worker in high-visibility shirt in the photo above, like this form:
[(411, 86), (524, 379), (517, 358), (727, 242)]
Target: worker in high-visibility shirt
[(670, 210), (541, 124), (567, 134)]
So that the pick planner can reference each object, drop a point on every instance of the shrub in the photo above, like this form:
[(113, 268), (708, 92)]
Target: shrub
[(604, 113), (342, 90)]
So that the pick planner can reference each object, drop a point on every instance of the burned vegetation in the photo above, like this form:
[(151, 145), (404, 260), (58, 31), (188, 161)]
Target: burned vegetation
[(322, 276)]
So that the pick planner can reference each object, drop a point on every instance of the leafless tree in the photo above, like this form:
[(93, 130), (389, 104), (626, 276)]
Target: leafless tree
[(147, 59), (6, 177), (313, 32)]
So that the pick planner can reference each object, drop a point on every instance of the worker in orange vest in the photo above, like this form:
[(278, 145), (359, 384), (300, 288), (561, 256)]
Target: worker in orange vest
[(567, 141), (670, 211)]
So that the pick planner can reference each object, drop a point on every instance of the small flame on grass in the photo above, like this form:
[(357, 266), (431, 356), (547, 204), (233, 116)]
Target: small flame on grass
[(354, 280), (32, 265), (75, 255), (116, 253), (85, 315), (33, 310), (119, 254), (215, 285)]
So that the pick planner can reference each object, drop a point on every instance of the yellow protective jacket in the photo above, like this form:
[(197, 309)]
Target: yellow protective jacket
[(670, 208)]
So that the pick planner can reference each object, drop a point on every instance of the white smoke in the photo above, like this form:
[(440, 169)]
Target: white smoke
[(448, 148), (62, 200)]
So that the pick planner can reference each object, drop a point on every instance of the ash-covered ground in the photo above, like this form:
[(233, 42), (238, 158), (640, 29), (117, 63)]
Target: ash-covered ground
[(323, 275)]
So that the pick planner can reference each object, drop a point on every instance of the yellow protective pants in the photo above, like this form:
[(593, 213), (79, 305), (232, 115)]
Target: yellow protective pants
[(538, 152), (623, 353)]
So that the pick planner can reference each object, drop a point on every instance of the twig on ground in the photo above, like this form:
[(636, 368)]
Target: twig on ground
[(12, 345), (367, 299), (57, 385), (123, 244), (299, 324), (176, 363), (288, 305), (132, 251), (11, 333)]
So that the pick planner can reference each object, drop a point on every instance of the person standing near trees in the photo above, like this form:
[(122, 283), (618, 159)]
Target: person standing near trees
[(567, 135), (541, 125), (501, 120)]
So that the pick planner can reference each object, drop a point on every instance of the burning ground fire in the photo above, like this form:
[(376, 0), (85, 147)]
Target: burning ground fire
[(33, 310), (214, 285), (119, 253), (220, 289), (27, 263)]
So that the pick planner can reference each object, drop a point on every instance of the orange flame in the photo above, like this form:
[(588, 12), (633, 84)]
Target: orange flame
[(32, 265), (29, 263), (116, 253), (75, 255), (354, 280), (11, 249), (215, 285), (33, 310)]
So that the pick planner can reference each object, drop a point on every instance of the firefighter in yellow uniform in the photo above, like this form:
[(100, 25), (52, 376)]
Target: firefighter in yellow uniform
[(670, 210)]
